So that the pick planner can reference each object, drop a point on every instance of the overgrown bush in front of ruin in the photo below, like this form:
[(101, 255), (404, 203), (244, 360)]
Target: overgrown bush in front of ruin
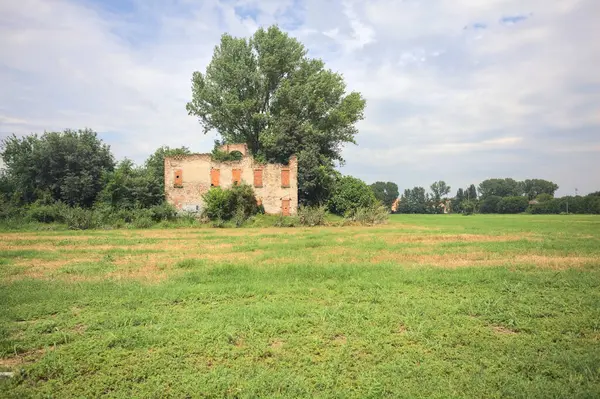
[(369, 215), (311, 215), (238, 201)]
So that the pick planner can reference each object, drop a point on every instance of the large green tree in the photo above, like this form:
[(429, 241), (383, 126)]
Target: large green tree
[(500, 188), (61, 166), (440, 190), (155, 164), (386, 192), (414, 200), (264, 91), (349, 194), (535, 187)]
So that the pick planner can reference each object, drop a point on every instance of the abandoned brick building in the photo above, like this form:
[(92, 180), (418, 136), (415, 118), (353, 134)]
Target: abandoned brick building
[(188, 177)]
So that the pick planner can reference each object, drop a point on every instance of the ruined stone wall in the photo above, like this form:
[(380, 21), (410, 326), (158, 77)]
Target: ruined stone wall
[(188, 177)]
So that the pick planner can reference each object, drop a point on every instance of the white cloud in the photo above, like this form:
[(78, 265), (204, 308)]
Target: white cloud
[(453, 92)]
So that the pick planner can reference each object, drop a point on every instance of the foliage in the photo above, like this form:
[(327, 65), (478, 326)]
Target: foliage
[(163, 212), (131, 187), (349, 194), (513, 205), (223, 156), (414, 201), (316, 177), (311, 215), (66, 166), (500, 188), (264, 91), (47, 213), (223, 204), (471, 192), (285, 221), (440, 190), (544, 197), (532, 188), (386, 193), (79, 218), (489, 204), (155, 166), (468, 207), (370, 215)]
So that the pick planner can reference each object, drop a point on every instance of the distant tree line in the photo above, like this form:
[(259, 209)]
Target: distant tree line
[(504, 196)]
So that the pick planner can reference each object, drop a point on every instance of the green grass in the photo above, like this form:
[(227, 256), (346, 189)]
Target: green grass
[(426, 306)]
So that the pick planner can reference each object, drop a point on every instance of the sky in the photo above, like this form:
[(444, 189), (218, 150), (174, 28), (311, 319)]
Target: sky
[(456, 90)]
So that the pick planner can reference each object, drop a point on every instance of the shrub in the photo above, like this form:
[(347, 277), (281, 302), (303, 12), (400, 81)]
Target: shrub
[(349, 194), (164, 211), (239, 217), (217, 204), (78, 218), (513, 205), (143, 222), (46, 213), (285, 221), (224, 204), (311, 215), (490, 204), (374, 214), (223, 156)]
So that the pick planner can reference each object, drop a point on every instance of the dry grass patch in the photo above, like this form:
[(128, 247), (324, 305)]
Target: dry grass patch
[(479, 258), (150, 273), (434, 239), (22, 359), (503, 330)]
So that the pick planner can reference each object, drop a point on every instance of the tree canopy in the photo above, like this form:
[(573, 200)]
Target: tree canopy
[(534, 187), (59, 166), (385, 192), (440, 190), (264, 91), (500, 188)]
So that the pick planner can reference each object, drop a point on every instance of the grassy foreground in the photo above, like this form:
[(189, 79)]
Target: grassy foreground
[(426, 306)]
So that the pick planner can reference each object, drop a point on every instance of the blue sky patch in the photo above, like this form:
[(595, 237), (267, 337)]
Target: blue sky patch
[(513, 19)]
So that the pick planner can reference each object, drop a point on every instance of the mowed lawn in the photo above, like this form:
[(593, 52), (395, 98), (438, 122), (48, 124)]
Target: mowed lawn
[(425, 306)]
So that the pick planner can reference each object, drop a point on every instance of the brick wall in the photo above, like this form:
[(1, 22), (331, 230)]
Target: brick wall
[(195, 180)]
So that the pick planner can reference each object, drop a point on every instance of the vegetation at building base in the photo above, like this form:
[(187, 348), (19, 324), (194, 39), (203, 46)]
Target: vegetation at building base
[(424, 306)]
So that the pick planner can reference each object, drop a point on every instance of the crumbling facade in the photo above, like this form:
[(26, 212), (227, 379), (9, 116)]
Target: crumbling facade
[(189, 177)]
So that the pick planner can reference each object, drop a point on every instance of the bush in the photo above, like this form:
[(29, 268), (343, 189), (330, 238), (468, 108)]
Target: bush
[(79, 218), (143, 222), (349, 194), (490, 204), (164, 211), (311, 215), (224, 204), (374, 214), (513, 205), (285, 221), (43, 213)]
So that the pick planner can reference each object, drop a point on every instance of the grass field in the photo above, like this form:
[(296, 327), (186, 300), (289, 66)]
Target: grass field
[(425, 306)]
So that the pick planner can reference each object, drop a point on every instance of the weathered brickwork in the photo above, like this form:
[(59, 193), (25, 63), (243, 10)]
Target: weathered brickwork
[(188, 177)]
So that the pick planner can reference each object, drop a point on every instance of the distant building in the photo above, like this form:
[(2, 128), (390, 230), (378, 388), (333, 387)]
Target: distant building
[(189, 177), (395, 205)]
